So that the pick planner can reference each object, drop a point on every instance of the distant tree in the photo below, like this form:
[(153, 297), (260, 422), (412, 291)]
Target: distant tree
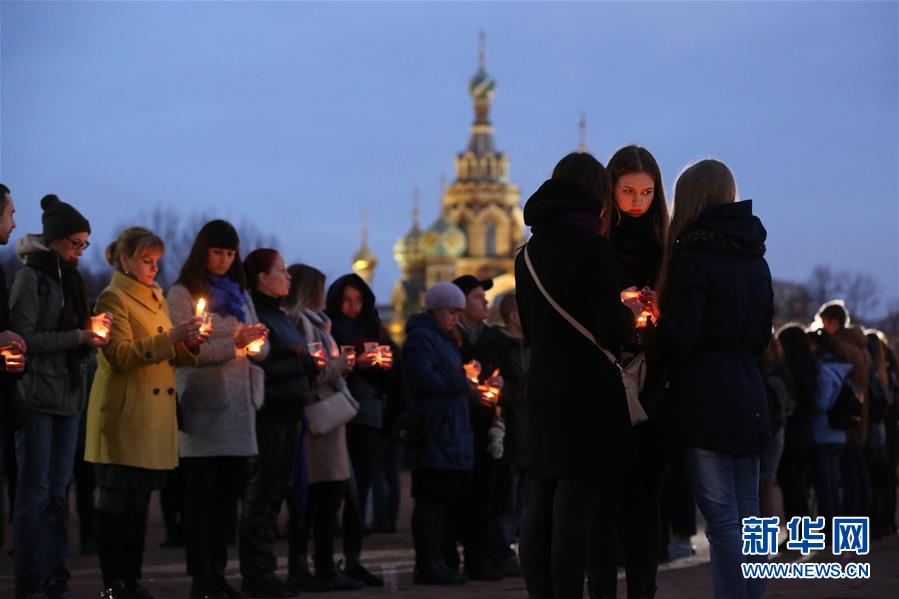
[(823, 285), (861, 292)]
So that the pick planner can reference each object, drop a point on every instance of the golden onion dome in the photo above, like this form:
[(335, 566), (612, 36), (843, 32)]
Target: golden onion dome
[(443, 239)]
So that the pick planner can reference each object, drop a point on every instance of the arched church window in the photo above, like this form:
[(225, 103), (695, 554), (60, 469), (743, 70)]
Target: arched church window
[(491, 239)]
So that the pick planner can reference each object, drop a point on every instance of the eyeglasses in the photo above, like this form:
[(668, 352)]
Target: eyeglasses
[(78, 245)]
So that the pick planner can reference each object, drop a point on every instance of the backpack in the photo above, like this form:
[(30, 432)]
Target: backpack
[(846, 412)]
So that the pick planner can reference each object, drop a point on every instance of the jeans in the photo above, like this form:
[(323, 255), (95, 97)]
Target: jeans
[(386, 484), (856, 482), (827, 479), (553, 536), (726, 489), (513, 512), (45, 448)]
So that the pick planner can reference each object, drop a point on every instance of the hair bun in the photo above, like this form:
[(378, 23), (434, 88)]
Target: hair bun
[(48, 200)]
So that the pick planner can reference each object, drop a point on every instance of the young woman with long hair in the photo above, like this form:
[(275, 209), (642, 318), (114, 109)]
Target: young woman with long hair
[(218, 400), (716, 303)]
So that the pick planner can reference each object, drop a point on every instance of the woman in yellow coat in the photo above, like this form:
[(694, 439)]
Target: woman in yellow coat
[(132, 429)]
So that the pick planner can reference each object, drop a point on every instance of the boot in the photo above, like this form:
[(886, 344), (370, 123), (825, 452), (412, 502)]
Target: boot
[(299, 576), (428, 524), (134, 539)]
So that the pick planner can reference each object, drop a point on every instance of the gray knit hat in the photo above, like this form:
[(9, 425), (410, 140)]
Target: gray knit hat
[(444, 295)]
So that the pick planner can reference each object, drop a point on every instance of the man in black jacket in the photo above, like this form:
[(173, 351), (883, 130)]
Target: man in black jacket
[(480, 523), (8, 339)]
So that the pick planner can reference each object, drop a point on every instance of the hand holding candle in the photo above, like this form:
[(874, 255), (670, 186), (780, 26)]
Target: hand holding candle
[(349, 352), (317, 351), (385, 357), (100, 324), (13, 359), (473, 371), (252, 337)]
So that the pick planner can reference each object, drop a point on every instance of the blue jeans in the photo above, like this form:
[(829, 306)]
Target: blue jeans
[(45, 451), (727, 490)]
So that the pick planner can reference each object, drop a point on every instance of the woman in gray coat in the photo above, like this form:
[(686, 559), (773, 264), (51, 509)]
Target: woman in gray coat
[(218, 401), (328, 459)]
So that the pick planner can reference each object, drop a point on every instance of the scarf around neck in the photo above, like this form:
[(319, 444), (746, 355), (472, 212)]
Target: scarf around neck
[(226, 298)]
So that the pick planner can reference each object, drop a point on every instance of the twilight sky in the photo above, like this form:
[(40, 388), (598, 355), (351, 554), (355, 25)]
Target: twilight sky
[(300, 116)]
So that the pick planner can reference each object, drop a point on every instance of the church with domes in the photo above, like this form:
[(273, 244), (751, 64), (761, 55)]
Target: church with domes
[(480, 226)]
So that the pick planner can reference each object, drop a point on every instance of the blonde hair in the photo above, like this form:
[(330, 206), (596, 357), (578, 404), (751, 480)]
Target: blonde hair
[(133, 241), (700, 186)]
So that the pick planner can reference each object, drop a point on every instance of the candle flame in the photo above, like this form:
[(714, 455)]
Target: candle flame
[(255, 346), (201, 306)]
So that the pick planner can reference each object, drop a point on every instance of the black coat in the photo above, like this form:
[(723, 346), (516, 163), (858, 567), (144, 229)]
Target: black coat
[(714, 327), (8, 385), (487, 350), (577, 409), (289, 369)]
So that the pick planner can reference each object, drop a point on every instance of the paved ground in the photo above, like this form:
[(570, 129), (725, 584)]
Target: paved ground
[(164, 572)]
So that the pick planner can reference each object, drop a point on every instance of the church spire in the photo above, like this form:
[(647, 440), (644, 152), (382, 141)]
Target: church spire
[(582, 133), (365, 261)]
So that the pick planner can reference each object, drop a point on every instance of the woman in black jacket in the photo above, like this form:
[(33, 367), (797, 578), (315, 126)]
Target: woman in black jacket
[(576, 401), (350, 304), (289, 373), (716, 309), (638, 231)]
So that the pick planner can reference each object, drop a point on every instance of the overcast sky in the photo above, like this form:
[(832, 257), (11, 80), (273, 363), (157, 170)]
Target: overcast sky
[(299, 116)]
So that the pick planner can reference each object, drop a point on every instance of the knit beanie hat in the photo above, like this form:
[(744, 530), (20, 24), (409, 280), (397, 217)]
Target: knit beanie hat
[(444, 295), (61, 220)]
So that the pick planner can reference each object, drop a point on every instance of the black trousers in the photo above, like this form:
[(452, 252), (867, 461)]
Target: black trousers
[(362, 444), (628, 504), (553, 536), (479, 516), (171, 503), (122, 528), (212, 488), (794, 476), (321, 521), (268, 476)]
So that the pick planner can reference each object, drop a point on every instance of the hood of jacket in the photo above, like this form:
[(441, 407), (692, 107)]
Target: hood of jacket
[(557, 197), (30, 244), (735, 221), (368, 321)]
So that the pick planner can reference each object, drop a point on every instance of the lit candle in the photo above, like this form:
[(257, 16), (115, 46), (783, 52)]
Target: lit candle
[(12, 359), (643, 319), (100, 330), (255, 347), (201, 311)]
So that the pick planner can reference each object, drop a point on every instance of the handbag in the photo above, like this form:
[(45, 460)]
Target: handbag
[(632, 371), (331, 412)]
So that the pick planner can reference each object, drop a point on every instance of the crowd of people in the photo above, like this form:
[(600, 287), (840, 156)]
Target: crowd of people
[(634, 376)]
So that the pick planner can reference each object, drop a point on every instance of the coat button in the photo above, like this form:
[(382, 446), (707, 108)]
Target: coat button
[(148, 355), (170, 391), (156, 391), (159, 329)]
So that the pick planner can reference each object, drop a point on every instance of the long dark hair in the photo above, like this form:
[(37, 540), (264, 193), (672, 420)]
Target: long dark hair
[(636, 159), (214, 234), (585, 169), (307, 288)]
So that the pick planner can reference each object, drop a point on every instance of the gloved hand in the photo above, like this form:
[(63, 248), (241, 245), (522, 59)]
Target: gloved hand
[(496, 433)]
